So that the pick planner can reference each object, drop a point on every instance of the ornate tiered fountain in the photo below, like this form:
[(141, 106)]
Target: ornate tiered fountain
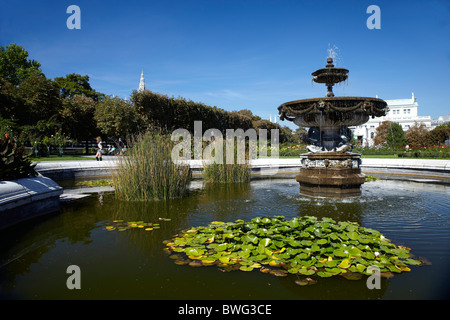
[(330, 169)]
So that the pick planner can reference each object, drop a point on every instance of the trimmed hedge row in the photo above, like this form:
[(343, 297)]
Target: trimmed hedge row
[(174, 113)]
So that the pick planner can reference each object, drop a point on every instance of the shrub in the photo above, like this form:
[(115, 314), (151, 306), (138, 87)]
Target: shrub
[(15, 163)]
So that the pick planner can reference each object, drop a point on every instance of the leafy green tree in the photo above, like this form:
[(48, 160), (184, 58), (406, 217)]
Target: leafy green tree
[(118, 118), (15, 66), (40, 98), (439, 134), (75, 84), (249, 114), (391, 134), (77, 117), (10, 104)]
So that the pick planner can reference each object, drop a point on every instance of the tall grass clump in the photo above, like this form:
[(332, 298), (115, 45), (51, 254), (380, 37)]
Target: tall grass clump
[(147, 172), (222, 172), (226, 173)]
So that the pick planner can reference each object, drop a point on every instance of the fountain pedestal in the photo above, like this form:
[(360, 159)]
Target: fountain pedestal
[(330, 174)]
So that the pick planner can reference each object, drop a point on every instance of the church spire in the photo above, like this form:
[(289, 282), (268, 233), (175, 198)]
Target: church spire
[(142, 82)]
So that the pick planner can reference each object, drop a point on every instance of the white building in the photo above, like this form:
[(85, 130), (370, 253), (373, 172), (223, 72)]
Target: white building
[(402, 111)]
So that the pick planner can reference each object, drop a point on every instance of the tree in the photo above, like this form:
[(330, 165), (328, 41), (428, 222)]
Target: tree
[(77, 117), (15, 66), (416, 135), (249, 114), (75, 84), (117, 118), (9, 102), (40, 98), (302, 135), (439, 134), (391, 134)]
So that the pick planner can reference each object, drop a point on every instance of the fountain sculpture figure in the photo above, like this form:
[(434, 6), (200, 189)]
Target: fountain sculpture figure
[(330, 169)]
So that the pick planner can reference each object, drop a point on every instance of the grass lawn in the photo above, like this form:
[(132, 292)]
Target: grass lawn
[(63, 158)]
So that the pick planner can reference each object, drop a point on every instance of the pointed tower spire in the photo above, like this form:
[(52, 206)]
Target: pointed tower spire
[(142, 82)]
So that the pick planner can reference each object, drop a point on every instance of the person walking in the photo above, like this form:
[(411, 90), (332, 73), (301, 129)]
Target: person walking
[(98, 156)]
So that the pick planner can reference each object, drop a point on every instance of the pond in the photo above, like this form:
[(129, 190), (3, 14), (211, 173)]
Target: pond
[(132, 264)]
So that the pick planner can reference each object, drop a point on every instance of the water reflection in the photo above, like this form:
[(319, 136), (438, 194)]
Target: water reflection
[(34, 255)]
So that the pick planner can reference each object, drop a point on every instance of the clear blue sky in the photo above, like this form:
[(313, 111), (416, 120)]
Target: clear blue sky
[(236, 54)]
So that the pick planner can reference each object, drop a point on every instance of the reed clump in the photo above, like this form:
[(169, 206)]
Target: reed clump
[(223, 172), (147, 172)]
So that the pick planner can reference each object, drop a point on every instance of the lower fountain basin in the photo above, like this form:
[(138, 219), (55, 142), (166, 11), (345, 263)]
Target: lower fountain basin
[(330, 174)]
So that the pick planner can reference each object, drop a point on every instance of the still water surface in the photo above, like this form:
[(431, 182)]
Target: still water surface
[(132, 264)]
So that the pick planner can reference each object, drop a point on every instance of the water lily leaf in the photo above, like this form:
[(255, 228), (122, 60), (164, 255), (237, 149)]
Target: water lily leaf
[(196, 263), (181, 262), (301, 282), (193, 251), (368, 255), (352, 235), (274, 263), (224, 259), (386, 275), (334, 271), (341, 252), (352, 275), (246, 268), (324, 274), (413, 262), (306, 272), (207, 262), (221, 247), (250, 238), (293, 270), (265, 270), (331, 263), (266, 220), (321, 241), (295, 243), (403, 268), (264, 242), (293, 223), (110, 228), (278, 273)]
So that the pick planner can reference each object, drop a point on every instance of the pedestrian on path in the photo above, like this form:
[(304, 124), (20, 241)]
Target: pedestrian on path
[(98, 156)]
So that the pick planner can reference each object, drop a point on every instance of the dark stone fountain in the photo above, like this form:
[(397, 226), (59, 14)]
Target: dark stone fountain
[(330, 169)]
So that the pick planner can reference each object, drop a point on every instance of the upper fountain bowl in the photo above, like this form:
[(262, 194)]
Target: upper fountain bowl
[(333, 112), (330, 75)]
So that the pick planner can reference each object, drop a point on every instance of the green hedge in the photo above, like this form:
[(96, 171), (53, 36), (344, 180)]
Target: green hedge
[(174, 113)]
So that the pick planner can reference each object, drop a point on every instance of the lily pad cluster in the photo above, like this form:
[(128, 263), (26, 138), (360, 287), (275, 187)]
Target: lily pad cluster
[(305, 246), (121, 225)]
